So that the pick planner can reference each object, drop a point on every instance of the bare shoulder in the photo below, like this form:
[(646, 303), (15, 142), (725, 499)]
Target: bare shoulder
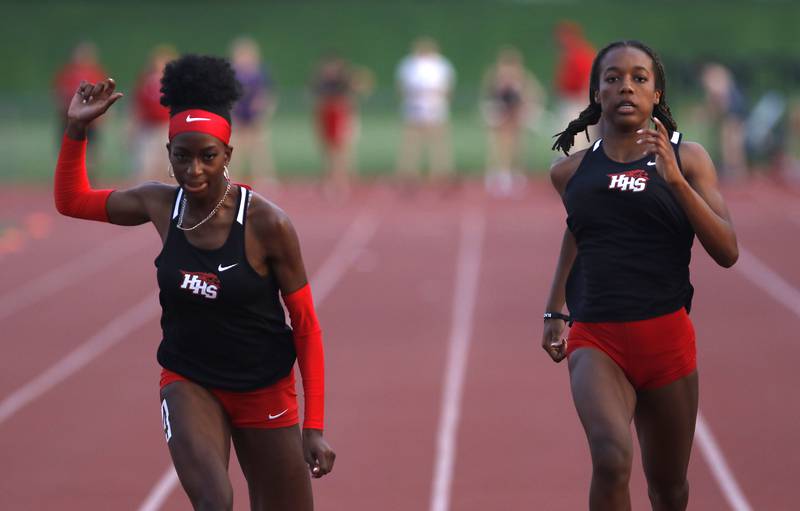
[(148, 201), (151, 191), (268, 220), (158, 190), (695, 160), (562, 170)]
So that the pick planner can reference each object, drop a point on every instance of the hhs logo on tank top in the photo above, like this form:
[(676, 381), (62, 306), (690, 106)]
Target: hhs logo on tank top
[(201, 283), (633, 239), (222, 322), (631, 181)]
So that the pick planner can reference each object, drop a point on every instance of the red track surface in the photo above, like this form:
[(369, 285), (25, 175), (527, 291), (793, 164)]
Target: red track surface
[(94, 440)]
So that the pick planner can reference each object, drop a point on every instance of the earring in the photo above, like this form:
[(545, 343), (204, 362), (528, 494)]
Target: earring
[(170, 172), (227, 173)]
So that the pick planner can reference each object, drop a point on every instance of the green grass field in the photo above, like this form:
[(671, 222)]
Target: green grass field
[(375, 34), (30, 147)]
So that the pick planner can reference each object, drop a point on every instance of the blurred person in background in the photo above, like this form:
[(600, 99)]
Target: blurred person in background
[(82, 65), (150, 119), (573, 67), (726, 112), (253, 112), (635, 201), (336, 86), (791, 168), (512, 97), (425, 80)]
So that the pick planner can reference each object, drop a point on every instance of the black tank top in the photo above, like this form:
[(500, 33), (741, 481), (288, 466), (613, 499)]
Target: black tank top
[(634, 240), (223, 324)]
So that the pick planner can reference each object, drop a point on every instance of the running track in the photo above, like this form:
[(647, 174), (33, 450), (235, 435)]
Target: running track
[(439, 396)]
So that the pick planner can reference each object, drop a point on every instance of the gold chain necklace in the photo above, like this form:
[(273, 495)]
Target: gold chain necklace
[(183, 210)]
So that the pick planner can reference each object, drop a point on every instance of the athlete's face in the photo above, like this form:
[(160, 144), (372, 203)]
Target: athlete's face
[(198, 161), (627, 88)]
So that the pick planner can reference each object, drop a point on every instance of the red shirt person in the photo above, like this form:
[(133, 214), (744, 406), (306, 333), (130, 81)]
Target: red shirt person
[(573, 69), (150, 118), (83, 65)]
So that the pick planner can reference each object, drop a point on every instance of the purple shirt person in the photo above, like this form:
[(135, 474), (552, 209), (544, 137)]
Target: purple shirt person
[(252, 112)]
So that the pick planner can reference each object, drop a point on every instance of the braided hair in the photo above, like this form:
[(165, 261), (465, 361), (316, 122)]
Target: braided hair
[(591, 114), (200, 81)]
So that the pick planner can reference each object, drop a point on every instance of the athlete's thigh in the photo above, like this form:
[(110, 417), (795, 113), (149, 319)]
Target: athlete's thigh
[(665, 420), (603, 396), (272, 461), (198, 437)]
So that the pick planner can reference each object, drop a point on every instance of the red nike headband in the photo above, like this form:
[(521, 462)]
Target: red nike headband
[(201, 121)]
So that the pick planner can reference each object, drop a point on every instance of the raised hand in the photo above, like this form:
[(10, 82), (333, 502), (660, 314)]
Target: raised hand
[(91, 100)]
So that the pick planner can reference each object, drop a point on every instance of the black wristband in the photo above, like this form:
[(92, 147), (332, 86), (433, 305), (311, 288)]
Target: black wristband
[(558, 315)]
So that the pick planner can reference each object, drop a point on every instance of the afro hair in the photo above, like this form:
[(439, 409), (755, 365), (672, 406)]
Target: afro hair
[(200, 81)]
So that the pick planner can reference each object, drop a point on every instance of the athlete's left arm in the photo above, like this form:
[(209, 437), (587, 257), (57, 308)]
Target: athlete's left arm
[(697, 191), (285, 260)]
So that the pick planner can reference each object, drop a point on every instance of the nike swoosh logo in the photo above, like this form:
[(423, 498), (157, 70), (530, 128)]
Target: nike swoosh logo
[(272, 417), (223, 268), (189, 118), (650, 163)]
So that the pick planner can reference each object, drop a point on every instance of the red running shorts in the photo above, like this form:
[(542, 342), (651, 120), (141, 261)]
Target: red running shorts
[(334, 120), (652, 352), (271, 407)]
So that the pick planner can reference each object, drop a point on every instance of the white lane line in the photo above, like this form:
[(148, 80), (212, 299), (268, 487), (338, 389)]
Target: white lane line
[(464, 298), (344, 254), (70, 273), (161, 491), (771, 283), (719, 467), (114, 331)]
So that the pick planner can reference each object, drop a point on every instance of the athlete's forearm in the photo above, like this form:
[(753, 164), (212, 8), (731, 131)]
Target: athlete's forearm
[(72, 192), (714, 232), (566, 258), (310, 354)]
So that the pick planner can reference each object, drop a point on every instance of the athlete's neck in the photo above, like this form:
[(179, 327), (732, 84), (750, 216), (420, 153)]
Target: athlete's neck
[(208, 200), (620, 144), (198, 208)]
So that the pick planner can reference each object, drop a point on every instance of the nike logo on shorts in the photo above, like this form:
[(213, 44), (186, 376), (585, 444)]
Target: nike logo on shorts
[(273, 417), (650, 163)]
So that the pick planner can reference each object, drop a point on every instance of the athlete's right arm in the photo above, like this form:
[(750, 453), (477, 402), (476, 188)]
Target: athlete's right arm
[(73, 194), (560, 174), (552, 341)]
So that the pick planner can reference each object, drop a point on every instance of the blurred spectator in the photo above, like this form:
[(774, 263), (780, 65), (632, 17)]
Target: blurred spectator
[(83, 65), (791, 168), (253, 112), (425, 80), (336, 85), (726, 111), (573, 71), (512, 98), (150, 120)]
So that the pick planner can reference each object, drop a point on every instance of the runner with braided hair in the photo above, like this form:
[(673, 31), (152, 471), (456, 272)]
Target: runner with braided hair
[(590, 115), (635, 201)]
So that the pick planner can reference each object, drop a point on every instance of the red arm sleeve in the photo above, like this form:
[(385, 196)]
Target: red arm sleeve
[(73, 195), (310, 357)]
